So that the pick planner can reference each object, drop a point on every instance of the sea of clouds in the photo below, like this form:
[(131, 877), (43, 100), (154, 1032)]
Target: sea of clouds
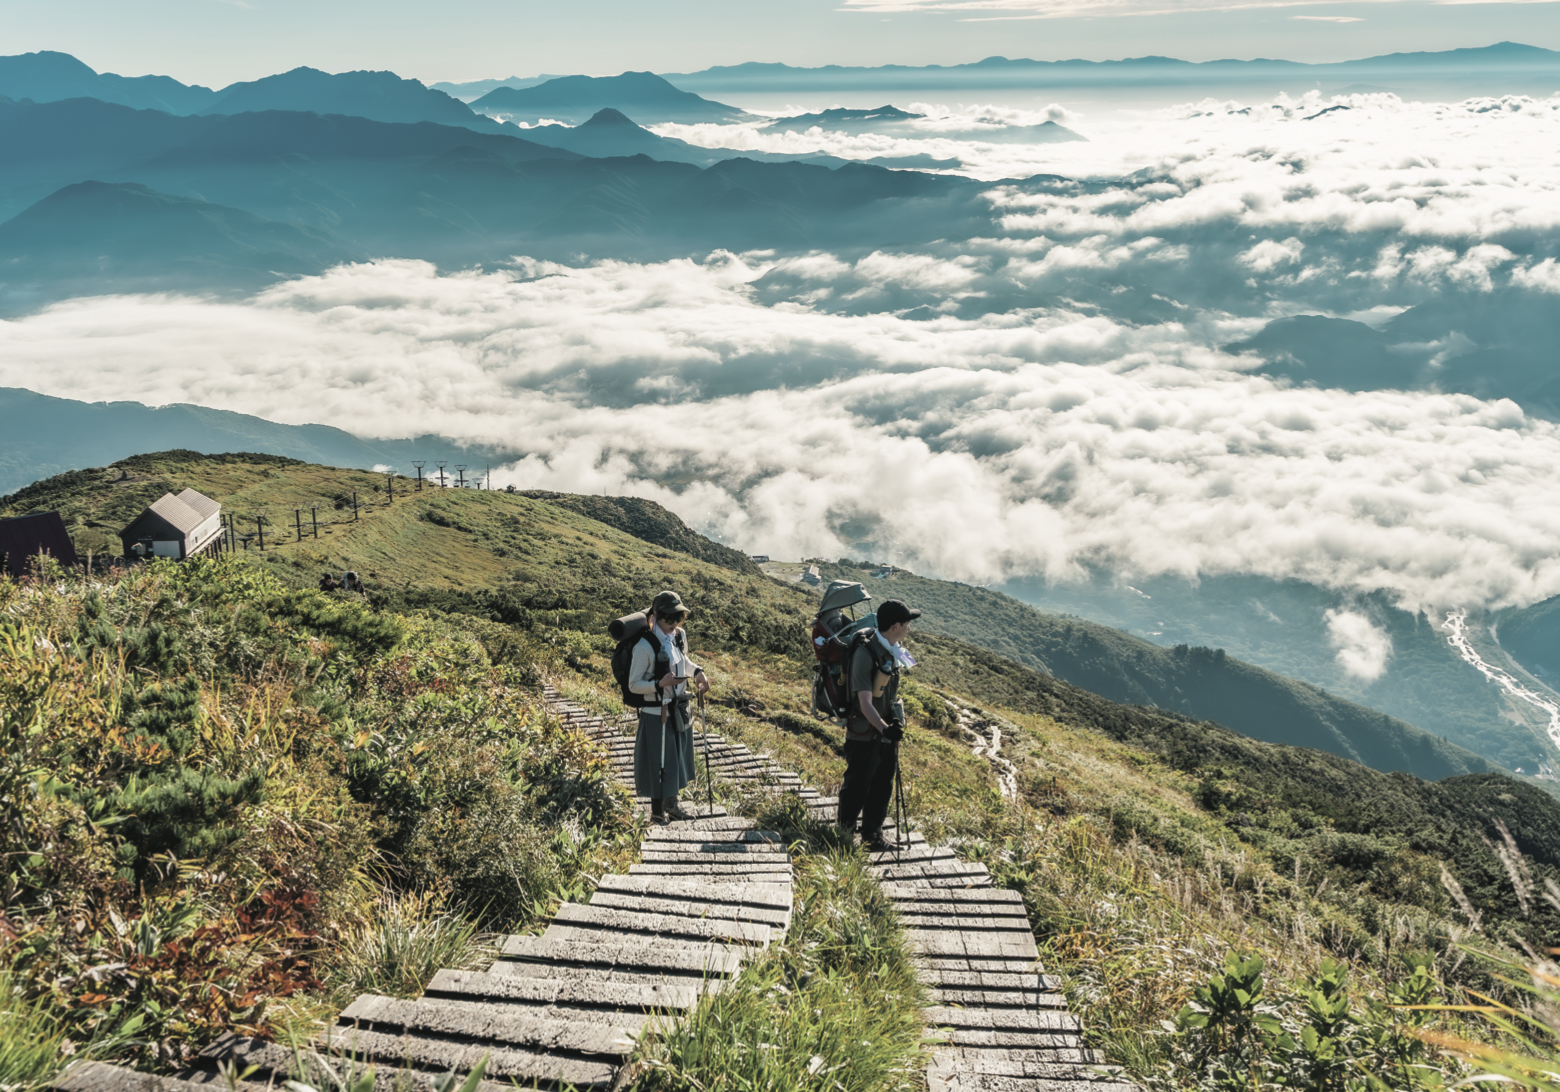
[(1047, 398)]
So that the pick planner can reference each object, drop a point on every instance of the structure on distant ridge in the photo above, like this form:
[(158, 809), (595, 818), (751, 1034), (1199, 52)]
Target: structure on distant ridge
[(25, 537), (177, 527)]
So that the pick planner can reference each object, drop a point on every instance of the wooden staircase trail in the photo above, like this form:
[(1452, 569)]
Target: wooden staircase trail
[(566, 1007)]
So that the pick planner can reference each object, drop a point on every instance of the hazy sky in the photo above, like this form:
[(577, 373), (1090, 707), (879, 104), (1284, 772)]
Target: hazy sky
[(216, 42)]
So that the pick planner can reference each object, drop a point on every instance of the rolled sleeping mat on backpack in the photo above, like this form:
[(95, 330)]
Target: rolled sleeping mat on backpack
[(630, 625)]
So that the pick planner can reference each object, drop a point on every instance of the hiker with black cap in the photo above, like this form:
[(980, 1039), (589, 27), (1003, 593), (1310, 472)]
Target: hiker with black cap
[(659, 671), (876, 724)]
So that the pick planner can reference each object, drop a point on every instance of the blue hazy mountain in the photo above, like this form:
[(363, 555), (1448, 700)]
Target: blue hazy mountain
[(99, 236), (609, 133), (442, 193), (47, 436), (48, 77), (1488, 344), (844, 118), (573, 99), (1506, 67), (49, 145), (378, 96), (472, 90)]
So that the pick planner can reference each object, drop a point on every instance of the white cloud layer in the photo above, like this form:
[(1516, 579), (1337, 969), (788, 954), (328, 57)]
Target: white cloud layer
[(1027, 443), (1363, 649), (1047, 398)]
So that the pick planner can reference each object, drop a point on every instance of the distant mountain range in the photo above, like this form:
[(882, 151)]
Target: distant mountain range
[(1509, 60), (313, 189), (573, 99), (472, 90), (379, 96), (46, 436)]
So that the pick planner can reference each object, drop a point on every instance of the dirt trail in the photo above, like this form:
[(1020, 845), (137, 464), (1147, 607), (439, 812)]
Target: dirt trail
[(983, 733)]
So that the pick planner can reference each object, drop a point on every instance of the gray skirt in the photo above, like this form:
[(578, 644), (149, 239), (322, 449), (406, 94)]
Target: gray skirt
[(649, 779)]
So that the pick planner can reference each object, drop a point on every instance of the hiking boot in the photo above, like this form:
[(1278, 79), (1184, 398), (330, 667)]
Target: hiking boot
[(657, 815), (674, 809), (875, 842)]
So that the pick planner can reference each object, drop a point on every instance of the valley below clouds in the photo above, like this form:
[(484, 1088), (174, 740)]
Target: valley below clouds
[(1110, 374)]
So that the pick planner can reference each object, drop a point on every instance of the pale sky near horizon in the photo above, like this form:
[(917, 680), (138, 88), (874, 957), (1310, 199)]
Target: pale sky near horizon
[(216, 42)]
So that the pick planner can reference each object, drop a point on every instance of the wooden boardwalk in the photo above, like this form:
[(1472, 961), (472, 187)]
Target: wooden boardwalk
[(566, 1007)]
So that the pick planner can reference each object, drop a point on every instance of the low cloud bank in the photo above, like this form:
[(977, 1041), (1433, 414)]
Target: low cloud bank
[(1032, 442)]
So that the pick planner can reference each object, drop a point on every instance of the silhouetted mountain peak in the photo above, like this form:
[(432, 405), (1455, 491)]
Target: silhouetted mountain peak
[(576, 98), (609, 117)]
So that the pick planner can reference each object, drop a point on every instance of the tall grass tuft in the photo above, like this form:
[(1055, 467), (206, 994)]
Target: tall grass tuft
[(402, 945), (836, 1006), (33, 1043)]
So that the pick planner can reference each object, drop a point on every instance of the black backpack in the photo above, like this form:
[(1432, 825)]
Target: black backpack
[(628, 631)]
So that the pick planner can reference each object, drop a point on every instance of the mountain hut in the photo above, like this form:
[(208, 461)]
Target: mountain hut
[(25, 537), (177, 527)]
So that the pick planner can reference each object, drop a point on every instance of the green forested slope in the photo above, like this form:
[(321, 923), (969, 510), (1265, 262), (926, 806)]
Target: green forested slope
[(1198, 682)]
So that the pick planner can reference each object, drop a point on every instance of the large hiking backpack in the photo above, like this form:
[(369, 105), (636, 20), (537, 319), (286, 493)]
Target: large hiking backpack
[(835, 639), (628, 631)]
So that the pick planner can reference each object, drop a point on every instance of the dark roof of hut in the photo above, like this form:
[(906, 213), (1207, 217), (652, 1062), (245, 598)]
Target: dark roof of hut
[(24, 537)]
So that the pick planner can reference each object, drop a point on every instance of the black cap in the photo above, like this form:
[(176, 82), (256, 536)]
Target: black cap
[(892, 612)]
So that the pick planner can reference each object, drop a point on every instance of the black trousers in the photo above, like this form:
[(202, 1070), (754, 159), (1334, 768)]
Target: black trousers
[(868, 786)]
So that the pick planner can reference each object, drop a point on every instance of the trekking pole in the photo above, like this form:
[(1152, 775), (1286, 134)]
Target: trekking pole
[(899, 801), (709, 770), (661, 799)]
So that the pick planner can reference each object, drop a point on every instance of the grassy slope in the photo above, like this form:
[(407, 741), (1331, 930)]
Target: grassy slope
[(1308, 850), (1202, 683)]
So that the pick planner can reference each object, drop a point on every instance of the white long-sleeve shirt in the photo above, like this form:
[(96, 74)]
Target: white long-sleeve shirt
[(642, 674)]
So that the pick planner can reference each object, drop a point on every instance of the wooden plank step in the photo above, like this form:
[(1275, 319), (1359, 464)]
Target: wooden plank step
[(774, 918), (503, 1025), (685, 834), (767, 895), (563, 992), (750, 868), (940, 872), (910, 893), (971, 946), (992, 999), (969, 923), (1026, 982), (704, 851), (656, 958), (1002, 1076), (1016, 1039), (1004, 1019), (588, 922), (935, 969), (102, 1077), (1075, 1056), (315, 1067), (504, 1063)]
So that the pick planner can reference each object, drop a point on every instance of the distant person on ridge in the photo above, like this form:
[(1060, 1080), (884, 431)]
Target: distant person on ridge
[(663, 747), (876, 724)]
